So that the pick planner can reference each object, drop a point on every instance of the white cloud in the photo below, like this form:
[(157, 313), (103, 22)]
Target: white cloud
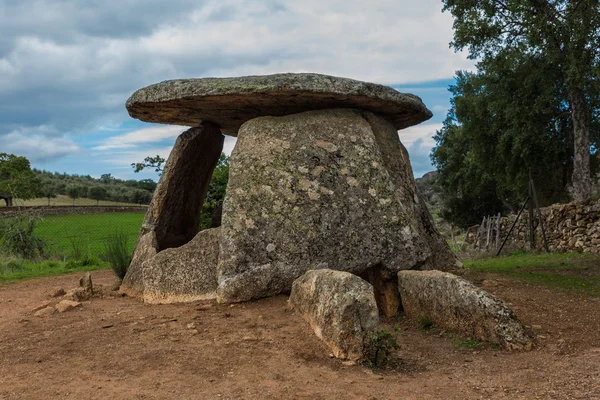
[(72, 65), (140, 136), (38, 147), (424, 133)]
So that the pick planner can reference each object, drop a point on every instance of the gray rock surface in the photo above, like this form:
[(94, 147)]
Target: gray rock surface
[(229, 102), (172, 218), (340, 308), (183, 274), (452, 303), (319, 189)]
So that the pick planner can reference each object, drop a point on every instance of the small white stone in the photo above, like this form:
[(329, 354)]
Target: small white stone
[(271, 247)]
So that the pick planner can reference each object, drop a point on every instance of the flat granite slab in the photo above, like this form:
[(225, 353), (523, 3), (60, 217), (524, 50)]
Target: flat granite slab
[(229, 102)]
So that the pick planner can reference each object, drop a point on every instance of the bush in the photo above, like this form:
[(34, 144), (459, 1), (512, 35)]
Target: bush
[(17, 237), (10, 266), (117, 253)]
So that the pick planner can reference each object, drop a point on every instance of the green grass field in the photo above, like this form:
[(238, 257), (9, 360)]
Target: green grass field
[(572, 271), (80, 235), (12, 269)]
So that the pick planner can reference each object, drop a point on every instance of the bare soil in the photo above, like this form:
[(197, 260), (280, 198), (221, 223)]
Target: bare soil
[(115, 347)]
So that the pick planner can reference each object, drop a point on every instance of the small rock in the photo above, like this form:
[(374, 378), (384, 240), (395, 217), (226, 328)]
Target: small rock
[(77, 294), (42, 305), (67, 305), (191, 325), (115, 287), (536, 327), (57, 292), (86, 283), (107, 326), (44, 312), (194, 331)]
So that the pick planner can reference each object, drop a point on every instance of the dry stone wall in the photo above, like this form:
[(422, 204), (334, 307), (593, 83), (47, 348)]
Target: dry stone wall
[(569, 227)]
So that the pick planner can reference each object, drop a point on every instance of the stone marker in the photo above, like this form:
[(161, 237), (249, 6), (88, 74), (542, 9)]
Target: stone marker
[(187, 273), (86, 283), (451, 302), (340, 308), (318, 179)]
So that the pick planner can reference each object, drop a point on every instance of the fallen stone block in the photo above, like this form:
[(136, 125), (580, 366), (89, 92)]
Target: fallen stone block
[(340, 308), (451, 302)]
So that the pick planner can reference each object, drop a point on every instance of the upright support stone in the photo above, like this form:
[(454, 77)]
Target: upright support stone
[(173, 215), (397, 162), (319, 189)]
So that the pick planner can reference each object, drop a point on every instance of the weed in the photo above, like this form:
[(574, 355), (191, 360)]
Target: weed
[(378, 346), (425, 323), (17, 237), (117, 253), (11, 266), (468, 343)]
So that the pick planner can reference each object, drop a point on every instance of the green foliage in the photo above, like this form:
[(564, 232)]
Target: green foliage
[(17, 237), (118, 253), (17, 180), (537, 85), (97, 193), (106, 188), (150, 162), (504, 120), (378, 346), (215, 194)]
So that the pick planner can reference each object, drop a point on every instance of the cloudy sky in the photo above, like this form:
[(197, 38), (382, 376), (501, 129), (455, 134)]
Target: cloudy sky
[(68, 66)]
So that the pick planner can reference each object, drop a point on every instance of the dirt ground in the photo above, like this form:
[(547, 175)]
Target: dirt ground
[(118, 348)]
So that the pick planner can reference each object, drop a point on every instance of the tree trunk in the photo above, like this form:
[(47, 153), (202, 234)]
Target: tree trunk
[(582, 181)]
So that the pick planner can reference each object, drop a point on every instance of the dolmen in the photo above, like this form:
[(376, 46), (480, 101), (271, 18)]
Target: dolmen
[(319, 179)]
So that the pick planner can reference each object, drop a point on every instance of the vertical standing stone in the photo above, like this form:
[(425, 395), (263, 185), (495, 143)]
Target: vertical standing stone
[(173, 215)]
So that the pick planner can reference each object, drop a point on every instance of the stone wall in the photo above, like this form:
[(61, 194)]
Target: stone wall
[(569, 227), (68, 210)]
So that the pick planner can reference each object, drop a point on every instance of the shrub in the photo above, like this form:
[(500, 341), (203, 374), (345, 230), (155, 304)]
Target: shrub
[(378, 346), (17, 237), (117, 253), (10, 266)]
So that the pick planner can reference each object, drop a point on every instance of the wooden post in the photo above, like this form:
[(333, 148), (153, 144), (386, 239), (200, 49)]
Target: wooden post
[(489, 232), (512, 226), (479, 233), (498, 230), (537, 205), (530, 209)]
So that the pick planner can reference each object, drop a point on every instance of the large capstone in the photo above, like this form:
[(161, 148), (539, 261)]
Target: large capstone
[(172, 218), (450, 302), (229, 102), (321, 189), (183, 274), (340, 308)]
